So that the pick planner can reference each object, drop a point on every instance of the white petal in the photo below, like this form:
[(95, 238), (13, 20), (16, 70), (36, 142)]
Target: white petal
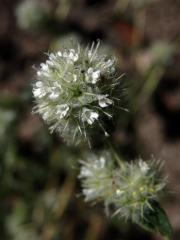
[(109, 63), (89, 116), (89, 54), (62, 110), (96, 74), (38, 92), (44, 67), (65, 54), (72, 51), (94, 115), (74, 77), (39, 73), (76, 57), (71, 54), (102, 162), (45, 116), (59, 54), (90, 71), (39, 84), (54, 95), (49, 63), (52, 56), (90, 121), (104, 101), (85, 172), (89, 193), (143, 166)]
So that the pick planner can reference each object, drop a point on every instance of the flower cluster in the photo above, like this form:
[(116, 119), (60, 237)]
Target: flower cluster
[(75, 89), (130, 188)]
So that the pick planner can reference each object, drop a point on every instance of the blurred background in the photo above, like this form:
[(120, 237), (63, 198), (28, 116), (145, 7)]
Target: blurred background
[(39, 191)]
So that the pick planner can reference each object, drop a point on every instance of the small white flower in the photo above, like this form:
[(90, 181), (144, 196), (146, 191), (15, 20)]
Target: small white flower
[(46, 116), (89, 73), (74, 77), (102, 161), (50, 63), (44, 67), (89, 194), (89, 54), (110, 63), (62, 110), (95, 76), (73, 55), (89, 116), (54, 95), (143, 166), (92, 76), (85, 172), (55, 92), (59, 53), (39, 73), (39, 84), (52, 57), (39, 92), (104, 101)]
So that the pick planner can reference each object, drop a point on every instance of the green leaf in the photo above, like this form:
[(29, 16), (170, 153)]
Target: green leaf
[(156, 220)]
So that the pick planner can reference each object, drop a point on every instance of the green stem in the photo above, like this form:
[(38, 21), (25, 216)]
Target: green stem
[(117, 158)]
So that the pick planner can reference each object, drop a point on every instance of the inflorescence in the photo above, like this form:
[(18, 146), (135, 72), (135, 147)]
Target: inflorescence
[(78, 91), (75, 89), (130, 188)]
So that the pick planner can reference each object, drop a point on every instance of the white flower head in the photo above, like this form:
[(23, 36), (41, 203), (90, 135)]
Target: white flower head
[(76, 88), (125, 187), (143, 166)]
